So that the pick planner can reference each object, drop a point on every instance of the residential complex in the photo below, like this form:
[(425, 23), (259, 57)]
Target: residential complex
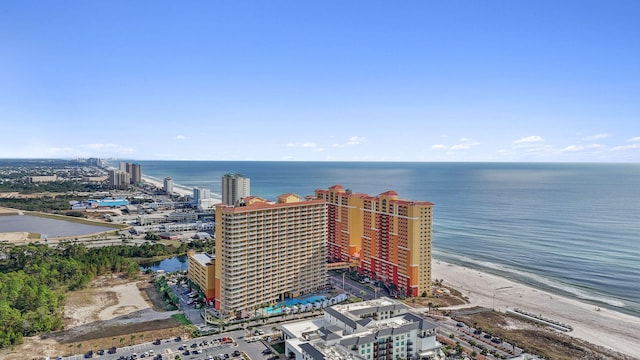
[(234, 188), (202, 271), (118, 179), (268, 251), (43, 178), (133, 175), (379, 329), (385, 237)]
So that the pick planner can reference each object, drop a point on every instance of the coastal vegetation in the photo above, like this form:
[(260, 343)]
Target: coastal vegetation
[(39, 203), (34, 279), (60, 187)]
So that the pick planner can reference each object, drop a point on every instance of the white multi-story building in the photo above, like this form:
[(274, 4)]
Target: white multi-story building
[(379, 329), (269, 251), (168, 185), (234, 188), (201, 194)]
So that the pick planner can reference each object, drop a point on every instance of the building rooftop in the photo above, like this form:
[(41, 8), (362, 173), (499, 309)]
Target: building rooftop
[(203, 258), (369, 321)]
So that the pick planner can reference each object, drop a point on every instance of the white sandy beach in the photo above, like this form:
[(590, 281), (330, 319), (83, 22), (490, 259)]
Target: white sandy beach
[(160, 185), (611, 329)]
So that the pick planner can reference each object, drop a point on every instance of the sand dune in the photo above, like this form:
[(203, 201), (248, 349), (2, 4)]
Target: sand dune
[(611, 329)]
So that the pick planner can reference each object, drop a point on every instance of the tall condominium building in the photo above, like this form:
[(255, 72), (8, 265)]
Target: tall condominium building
[(234, 188), (387, 238), (269, 251), (136, 173), (168, 185), (118, 179)]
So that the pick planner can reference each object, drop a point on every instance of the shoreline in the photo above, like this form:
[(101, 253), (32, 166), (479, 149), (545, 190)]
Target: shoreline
[(160, 185), (601, 326)]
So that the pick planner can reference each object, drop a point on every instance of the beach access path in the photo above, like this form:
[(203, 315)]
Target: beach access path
[(600, 326)]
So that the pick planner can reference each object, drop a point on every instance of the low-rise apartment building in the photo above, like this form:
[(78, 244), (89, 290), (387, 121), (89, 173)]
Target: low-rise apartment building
[(379, 329), (201, 271)]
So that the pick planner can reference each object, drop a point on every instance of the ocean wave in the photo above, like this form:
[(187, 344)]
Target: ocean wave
[(530, 278)]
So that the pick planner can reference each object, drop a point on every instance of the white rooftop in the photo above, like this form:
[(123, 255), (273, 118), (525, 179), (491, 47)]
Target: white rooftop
[(203, 258)]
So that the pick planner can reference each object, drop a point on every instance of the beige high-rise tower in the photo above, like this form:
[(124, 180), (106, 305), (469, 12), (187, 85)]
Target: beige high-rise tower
[(268, 251)]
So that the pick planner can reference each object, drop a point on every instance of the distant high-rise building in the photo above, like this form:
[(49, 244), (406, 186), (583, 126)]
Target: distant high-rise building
[(168, 185), (118, 179), (234, 188), (136, 173), (201, 194), (388, 238), (122, 166), (266, 251)]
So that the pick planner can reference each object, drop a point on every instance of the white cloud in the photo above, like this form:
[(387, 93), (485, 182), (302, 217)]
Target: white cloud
[(637, 138), (355, 140), (107, 149), (626, 147), (318, 149), (529, 139), (576, 148), (439, 146), (307, 144), (181, 137), (64, 152), (466, 145), (595, 137)]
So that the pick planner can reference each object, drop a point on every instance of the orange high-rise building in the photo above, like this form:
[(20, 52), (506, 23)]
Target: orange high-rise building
[(387, 238)]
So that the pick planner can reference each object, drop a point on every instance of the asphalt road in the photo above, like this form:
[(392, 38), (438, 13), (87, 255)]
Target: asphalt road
[(355, 288)]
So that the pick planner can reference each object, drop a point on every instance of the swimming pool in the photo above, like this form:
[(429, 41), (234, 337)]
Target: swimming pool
[(277, 309)]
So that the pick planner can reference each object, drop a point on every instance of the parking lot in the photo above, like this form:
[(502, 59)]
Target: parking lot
[(230, 345)]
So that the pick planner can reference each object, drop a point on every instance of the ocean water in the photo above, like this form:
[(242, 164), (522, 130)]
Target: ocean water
[(569, 228)]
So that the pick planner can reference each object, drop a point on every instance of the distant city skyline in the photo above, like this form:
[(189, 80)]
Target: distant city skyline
[(541, 81)]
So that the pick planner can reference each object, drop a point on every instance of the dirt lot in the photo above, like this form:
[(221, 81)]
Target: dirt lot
[(443, 298), (111, 312)]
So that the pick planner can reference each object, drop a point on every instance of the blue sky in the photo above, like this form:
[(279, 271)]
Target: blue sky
[(321, 80)]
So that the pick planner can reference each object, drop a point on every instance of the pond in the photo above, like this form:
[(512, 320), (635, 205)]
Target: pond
[(173, 264), (48, 228)]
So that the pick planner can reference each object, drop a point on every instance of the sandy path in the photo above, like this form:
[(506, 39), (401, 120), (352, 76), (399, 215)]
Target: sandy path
[(129, 301), (607, 328)]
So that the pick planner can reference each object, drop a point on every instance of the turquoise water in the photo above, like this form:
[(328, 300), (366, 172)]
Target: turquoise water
[(277, 309), (569, 228)]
